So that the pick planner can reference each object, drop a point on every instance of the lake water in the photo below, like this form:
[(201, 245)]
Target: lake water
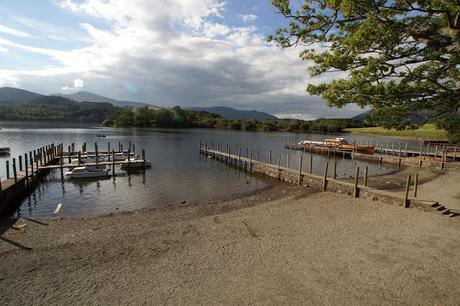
[(179, 173)]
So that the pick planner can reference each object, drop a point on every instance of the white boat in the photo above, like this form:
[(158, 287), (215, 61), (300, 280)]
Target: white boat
[(122, 156), (311, 142), (87, 172), (136, 164)]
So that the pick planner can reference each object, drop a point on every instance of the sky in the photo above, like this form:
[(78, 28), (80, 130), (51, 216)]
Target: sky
[(166, 53)]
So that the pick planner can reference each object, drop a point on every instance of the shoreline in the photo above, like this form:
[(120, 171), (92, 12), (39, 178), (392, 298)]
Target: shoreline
[(285, 244)]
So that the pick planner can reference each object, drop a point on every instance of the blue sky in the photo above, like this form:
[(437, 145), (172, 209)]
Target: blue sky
[(171, 52)]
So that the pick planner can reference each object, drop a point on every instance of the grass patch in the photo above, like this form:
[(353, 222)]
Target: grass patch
[(425, 131)]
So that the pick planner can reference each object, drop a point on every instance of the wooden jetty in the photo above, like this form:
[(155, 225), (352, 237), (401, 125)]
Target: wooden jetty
[(27, 171), (443, 157), (326, 182)]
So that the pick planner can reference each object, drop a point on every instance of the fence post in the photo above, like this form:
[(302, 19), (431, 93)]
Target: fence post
[(26, 167), (355, 190), (310, 169), (406, 194), (365, 175), (415, 185), (325, 176), (7, 169), (334, 176), (300, 169), (15, 175)]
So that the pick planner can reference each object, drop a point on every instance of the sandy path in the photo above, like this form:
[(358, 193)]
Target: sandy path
[(278, 246), (445, 189)]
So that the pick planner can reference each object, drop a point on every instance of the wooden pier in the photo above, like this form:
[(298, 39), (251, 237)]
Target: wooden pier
[(327, 182), (27, 171), (442, 158)]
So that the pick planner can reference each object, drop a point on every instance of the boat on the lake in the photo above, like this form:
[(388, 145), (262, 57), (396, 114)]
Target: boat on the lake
[(100, 135), (4, 151), (87, 172), (340, 144), (135, 163)]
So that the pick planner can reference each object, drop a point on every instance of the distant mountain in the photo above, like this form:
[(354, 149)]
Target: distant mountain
[(9, 94), (83, 96), (363, 116), (232, 113)]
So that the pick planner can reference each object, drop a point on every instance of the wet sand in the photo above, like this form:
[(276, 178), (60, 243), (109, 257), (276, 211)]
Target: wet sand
[(282, 245)]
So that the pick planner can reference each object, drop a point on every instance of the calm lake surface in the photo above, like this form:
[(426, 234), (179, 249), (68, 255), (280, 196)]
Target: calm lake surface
[(179, 173)]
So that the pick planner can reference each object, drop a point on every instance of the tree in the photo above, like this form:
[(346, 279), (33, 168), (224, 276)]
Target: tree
[(401, 57)]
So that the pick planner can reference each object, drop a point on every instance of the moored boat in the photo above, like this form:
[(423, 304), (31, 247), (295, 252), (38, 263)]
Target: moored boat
[(4, 151), (87, 172)]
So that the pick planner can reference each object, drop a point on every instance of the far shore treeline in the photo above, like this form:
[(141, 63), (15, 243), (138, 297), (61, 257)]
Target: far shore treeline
[(177, 117), (55, 108)]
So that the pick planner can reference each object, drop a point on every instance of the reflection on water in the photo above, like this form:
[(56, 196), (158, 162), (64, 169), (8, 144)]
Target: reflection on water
[(179, 173)]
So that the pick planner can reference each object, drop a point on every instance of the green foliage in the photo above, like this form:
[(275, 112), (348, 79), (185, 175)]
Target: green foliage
[(56, 109), (180, 118), (401, 56)]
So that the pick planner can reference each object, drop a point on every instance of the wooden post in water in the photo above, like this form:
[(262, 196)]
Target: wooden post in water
[(310, 169), (134, 148), (129, 159), (79, 158), (70, 160), (108, 149), (246, 152), (334, 176), (129, 146), (26, 167), (287, 161), (143, 155), (406, 194), (366, 170), (250, 163), (73, 147), (7, 166), (20, 163), (15, 175), (97, 153), (36, 161), (61, 168), (300, 170), (325, 176), (31, 163), (113, 162), (415, 184), (121, 147), (270, 157), (355, 189), (258, 155)]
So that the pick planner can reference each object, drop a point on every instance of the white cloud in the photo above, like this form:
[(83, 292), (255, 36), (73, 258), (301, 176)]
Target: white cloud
[(77, 84), (173, 52), (248, 18), (14, 32)]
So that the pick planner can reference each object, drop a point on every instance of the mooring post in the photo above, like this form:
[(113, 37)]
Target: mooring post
[(73, 147), (79, 158), (300, 170), (31, 163), (246, 152), (325, 176), (108, 149), (406, 194), (270, 157), (20, 163), (26, 167), (113, 162), (399, 162), (61, 168), (355, 190), (310, 169), (366, 170), (7, 166), (97, 153), (335, 170), (36, 161), (129, 159), (415, 184), (380, 160), (258, 155), (287, 160), (68, 156), (143, 155), (121, 147), (15, 174), (250, 163)]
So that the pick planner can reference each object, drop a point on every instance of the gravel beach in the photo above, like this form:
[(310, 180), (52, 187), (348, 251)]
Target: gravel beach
[(284, 245)]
